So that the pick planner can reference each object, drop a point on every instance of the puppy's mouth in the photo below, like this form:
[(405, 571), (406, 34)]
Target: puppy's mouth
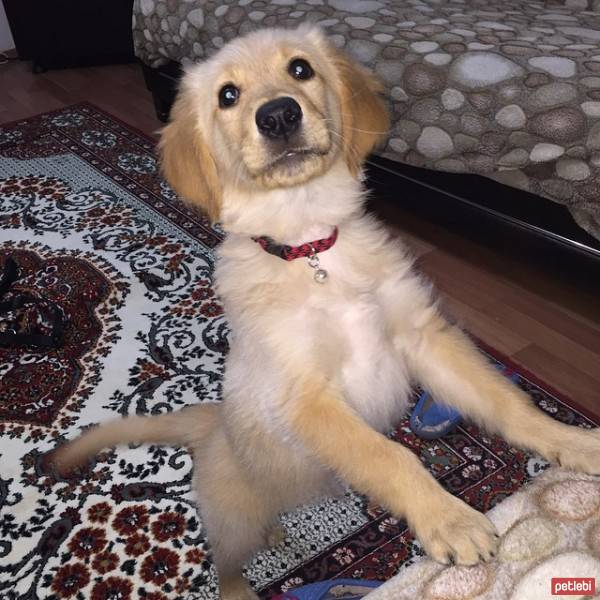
[(293, 156)]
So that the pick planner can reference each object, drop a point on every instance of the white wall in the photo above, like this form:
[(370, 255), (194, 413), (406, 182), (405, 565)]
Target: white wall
[(6, 39)]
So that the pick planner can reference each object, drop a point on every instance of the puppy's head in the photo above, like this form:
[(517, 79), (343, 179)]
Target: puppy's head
[(273, 109)]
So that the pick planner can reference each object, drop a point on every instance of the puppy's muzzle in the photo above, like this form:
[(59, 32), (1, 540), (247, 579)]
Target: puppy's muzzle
[(278, 119)]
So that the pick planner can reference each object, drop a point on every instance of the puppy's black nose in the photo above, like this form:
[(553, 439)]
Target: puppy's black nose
[(279, 118)]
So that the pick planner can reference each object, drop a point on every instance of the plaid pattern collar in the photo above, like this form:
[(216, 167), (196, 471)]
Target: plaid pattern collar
[(292, 252)]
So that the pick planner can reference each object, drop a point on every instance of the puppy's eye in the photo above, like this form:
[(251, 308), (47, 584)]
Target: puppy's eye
[(300, 69), (228, 95)]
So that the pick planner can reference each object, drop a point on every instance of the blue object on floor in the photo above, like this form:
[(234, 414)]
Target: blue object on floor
[(334, 589), (430, 420)]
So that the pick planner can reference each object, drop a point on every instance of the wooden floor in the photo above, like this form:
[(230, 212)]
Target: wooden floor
[(118, 89), (544, 319)]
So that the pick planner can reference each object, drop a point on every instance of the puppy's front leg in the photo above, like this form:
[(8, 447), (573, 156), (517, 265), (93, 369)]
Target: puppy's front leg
[(390, 474), (448, 364)]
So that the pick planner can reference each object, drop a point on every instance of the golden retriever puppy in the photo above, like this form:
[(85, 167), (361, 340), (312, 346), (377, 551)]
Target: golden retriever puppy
[(330, 323)]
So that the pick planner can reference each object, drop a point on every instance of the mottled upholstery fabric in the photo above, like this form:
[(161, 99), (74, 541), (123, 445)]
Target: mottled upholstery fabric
[(506, 89)]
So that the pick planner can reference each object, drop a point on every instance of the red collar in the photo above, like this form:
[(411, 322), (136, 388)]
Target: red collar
[(291, 252)]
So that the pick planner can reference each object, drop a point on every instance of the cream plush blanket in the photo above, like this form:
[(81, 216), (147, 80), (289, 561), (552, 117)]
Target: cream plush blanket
[(549, 529)]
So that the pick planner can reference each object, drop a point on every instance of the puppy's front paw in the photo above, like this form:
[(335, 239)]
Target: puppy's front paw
[(453, 533), (579, 451)]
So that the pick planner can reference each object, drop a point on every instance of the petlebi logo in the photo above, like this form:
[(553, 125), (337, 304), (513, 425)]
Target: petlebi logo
[(573, 586)]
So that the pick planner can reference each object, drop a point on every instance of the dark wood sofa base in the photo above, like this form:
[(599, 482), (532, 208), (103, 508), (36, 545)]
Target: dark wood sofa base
[(162, 83)]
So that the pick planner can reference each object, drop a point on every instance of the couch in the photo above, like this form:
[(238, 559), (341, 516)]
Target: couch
[(508, 90)]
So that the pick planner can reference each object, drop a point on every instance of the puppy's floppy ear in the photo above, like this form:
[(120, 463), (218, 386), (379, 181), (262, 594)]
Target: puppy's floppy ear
[(365, 119), (186, 161)]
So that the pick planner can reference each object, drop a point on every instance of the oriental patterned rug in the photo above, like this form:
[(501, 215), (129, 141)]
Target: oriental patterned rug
[(90, 224)]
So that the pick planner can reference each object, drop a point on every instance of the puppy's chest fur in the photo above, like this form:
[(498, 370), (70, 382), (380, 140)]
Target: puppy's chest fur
[(285, 322), (373, 378)]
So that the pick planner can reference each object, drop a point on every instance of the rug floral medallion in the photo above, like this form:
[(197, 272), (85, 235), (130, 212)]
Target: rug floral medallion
[(89, 222)]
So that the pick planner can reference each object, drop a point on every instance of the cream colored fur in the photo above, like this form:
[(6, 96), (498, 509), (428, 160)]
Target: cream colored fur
[(317, 373)]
